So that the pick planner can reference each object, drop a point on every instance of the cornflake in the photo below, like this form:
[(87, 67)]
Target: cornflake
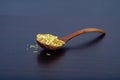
[(49, 39)]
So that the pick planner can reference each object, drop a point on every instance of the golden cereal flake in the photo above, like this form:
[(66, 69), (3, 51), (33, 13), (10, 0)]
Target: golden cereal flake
[(49, 39)]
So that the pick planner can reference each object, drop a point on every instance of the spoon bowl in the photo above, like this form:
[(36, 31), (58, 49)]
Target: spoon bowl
[(48, 47)]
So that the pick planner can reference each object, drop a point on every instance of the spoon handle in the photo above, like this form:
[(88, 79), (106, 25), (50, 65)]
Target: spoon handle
[(83, 31)]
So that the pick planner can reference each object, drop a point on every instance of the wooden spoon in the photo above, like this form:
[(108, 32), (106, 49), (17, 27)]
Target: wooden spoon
[(71, 36)]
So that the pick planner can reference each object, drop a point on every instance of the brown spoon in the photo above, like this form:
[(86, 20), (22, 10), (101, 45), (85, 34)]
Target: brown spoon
[(69, 37)]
